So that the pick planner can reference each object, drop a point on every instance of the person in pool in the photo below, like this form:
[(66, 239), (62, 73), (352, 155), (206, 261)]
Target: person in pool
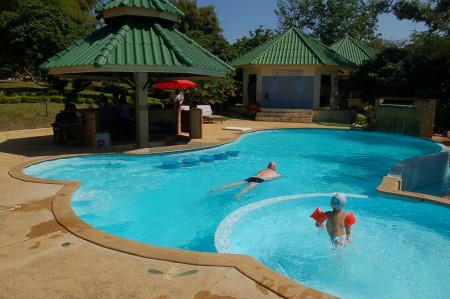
[(263, 175), (339, 233)]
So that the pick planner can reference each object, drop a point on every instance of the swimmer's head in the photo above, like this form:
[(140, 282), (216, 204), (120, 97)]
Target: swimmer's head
[(272, 165), (338, 201)]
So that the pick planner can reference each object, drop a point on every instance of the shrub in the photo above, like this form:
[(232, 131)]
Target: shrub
[(30, 98), (360, 121)]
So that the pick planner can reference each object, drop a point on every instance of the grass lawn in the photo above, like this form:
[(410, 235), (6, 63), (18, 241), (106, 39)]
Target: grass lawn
[(24, 116), (17, 87), (28, 115)]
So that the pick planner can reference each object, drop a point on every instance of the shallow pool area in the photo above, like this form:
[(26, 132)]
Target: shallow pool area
[(141, 198), (399, 248)]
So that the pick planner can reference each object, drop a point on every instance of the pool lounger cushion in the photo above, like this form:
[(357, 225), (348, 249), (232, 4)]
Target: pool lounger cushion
[(242, 129)]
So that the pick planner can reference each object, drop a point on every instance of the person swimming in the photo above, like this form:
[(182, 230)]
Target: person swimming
[(339, 233), (263, 175), (254, 180)]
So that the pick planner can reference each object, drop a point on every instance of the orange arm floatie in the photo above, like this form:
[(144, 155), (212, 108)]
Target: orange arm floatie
[(350, 219), (319, 216)]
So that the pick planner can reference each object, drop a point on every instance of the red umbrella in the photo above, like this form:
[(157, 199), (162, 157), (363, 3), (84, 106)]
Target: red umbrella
[(174, 84)]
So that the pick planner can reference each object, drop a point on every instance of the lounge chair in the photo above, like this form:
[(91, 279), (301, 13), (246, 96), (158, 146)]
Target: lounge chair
[(208, 114)]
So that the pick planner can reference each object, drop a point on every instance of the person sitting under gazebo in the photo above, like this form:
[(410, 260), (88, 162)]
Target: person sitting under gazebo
[(124, 113), (176, 97)]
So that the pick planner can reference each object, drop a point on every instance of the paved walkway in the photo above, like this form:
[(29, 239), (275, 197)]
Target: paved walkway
[(39, 258)]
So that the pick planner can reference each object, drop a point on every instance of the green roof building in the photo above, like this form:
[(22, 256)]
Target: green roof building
[(139, 44), (292, 71), (354, 50)]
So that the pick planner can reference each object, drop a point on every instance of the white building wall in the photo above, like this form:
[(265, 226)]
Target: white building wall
[(282, 70)]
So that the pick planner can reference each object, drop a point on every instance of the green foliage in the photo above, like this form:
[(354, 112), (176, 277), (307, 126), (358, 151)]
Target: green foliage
[(382, 76), (360, 121), (214, 43), (58, 84), (202, 19), (30, 98), (212, 91), (202, 25), (419, 70), (112, 87), (23, 116), (9, 5), (87, 101), (79, 12), (329, 21), (434, 13), (35, 30), (255, 39), (370, 112)]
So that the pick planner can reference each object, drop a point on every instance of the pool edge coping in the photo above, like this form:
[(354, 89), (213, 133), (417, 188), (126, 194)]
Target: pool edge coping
[(392, 186)]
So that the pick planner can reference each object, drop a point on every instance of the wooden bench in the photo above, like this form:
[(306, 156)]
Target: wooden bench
[(208, 114)]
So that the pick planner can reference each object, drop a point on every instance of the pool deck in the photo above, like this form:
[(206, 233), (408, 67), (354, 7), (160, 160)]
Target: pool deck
[(40, 258)]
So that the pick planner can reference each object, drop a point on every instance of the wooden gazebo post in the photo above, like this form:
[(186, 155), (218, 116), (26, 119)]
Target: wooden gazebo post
[(141, 90)]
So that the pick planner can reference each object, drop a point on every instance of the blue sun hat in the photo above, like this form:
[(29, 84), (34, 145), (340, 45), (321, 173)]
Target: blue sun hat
[(339, 200)]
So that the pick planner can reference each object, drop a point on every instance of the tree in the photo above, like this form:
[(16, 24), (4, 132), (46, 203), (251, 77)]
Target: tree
[(433, 77), (434, 13), (216, 91), (331, 20), (79, 11), (202, 19), (409, 72), (32, 34), (214, 43), (9, 5), (383, 76), (40, 29), (202, 26), (255, 39)]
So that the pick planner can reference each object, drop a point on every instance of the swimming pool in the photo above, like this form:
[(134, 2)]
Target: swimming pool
[(182, 213)]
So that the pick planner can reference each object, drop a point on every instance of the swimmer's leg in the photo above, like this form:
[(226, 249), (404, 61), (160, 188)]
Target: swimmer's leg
[(246, 189), (228, 186)]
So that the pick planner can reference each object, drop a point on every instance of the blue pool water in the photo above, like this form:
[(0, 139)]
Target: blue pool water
[(399, 249)]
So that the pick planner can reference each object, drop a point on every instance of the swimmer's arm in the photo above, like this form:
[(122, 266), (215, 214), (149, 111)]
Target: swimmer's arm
[(348, 232), (279, 175)]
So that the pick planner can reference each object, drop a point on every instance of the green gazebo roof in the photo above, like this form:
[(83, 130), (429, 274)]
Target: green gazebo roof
[(131, 43), (148, 8), (354, 50), (292, 48)]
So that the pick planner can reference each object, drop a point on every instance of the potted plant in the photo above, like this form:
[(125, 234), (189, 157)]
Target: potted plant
[(253, 108), (360, 122)]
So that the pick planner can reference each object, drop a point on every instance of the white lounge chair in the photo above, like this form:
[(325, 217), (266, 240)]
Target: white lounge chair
[(208, 114)]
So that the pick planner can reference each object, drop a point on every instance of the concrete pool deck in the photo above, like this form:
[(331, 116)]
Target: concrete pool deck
[(40, 258)]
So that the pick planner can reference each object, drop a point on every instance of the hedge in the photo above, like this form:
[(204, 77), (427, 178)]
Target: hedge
[(16, 99), (84, 99)]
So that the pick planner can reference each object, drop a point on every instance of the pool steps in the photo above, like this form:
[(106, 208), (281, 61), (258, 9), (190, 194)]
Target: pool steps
[(196, 160)]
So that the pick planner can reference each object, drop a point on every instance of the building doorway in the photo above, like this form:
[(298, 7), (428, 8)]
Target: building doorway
[(325, 90), (251, 88)]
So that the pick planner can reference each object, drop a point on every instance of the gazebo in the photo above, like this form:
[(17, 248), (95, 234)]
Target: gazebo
[(138, 45)]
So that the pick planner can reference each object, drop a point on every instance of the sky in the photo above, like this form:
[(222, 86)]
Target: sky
[(238, 17)]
